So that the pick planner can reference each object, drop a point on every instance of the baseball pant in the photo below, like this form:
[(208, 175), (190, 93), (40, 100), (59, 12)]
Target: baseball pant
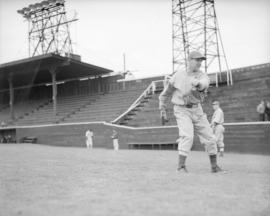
[(115, 144), (190, 120), (89, 143), (218, 131)]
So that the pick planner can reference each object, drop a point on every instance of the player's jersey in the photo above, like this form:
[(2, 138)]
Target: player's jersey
[(114, 136), (218, 117), (261, 108), (181, 87), (89, 134)]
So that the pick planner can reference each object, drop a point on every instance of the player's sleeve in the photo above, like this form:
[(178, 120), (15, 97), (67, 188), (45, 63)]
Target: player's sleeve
[(165, 95), (217, 117)]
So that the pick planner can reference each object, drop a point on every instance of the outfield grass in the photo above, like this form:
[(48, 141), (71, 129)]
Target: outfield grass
[(45, 180)]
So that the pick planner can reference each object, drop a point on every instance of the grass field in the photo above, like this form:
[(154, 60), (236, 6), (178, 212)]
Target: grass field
[(46, 180)]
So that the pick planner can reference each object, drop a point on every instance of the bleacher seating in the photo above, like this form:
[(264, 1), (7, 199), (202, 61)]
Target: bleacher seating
[(149, 115), (80, 108), (106, 108), (21, 110), (79, 104), (238, 102), (65, 106)]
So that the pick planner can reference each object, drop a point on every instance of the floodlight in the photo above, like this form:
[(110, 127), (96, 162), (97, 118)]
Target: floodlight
[(27, 10), (32, 6), (52, 2), (47, 14), (20, 11), (24, 10), (45, 3), (59, 2), (38, 5)]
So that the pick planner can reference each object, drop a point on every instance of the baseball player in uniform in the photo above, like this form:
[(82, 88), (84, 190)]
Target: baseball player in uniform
[(115, 140), (89, 139), (187, 89), (217, 126), (261, 110)]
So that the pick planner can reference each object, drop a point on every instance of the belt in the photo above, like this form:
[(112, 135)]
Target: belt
[(188, 105), (191, 105)]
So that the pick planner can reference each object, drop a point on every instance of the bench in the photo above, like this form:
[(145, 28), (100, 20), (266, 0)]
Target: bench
[(152, 145), (29, 140)]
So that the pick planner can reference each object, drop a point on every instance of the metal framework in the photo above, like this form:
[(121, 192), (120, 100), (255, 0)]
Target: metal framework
[(195, 27), (48, 28)]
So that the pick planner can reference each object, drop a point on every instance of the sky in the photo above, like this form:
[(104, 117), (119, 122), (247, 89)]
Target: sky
[(142, 30)]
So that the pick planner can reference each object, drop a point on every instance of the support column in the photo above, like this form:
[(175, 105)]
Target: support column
[(124, 84), (11, 97), (54, 89), (99, 83)]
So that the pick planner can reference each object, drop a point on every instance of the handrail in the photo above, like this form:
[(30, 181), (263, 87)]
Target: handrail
[(123, 126), (136, 102), (133, 105)]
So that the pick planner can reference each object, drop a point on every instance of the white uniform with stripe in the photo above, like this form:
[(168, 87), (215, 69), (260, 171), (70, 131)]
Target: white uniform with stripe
[(89, 139), (115, 140), (218, 129), (189, 120)]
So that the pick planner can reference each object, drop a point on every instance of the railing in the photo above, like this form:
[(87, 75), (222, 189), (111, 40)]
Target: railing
[(149, 89)]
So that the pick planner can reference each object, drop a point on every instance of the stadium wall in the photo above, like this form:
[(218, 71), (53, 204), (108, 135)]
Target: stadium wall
[(239, 137)]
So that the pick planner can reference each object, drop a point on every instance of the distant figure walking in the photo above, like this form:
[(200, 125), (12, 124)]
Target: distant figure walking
[(115, 140), (89, 139), (267, 111), (261, 111), (217, 126)]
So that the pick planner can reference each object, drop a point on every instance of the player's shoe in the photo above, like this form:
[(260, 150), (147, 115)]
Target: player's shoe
[(217, 169), (182, 169)]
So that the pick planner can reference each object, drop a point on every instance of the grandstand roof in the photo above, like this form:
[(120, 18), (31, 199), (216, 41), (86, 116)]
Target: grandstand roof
[(35, 70)]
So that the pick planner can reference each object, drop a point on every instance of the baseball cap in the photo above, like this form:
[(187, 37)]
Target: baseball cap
[(215, 103), (196, 55)]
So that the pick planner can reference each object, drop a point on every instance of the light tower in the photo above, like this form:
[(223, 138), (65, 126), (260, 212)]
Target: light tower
[(48, 28), (195, 27)]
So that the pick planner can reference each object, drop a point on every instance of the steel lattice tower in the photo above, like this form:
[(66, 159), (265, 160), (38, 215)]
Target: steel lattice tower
[(195, 27), (48, 28)]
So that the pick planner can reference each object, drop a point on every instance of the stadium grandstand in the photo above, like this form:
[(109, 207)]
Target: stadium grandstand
[(78, 138), (51, 99)]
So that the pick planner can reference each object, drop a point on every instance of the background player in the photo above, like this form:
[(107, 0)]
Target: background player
[(115, 140), (89, 139), (217, 126)]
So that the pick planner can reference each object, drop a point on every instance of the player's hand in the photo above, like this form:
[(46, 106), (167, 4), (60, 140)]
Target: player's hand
[(203, 84), (195, 83)]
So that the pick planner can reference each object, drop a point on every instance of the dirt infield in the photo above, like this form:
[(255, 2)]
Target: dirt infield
[(46, 180)]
